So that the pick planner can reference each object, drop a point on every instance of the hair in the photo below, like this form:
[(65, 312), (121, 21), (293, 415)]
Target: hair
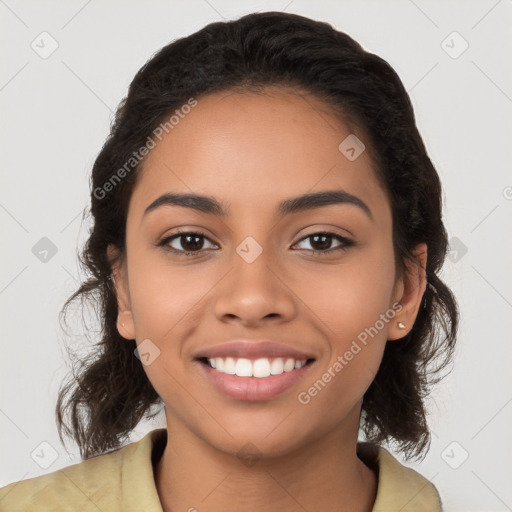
[(109, 392)]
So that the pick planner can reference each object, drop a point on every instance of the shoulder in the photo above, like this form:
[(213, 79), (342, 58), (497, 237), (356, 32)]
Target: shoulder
[(399, 487), (105, 482), (76, 487)]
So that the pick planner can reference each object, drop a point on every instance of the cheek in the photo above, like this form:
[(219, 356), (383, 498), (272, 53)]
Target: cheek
[(357, 303), (166, 304), (352, 309), (349, 297), (165, 296)]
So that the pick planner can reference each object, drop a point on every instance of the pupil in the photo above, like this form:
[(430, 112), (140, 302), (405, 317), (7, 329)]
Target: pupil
[(193, 246), (324, 245)]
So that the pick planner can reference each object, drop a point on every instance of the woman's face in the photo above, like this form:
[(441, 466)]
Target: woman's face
[(253, 274)]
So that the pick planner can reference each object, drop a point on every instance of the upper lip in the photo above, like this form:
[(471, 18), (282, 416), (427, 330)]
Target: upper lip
[(253, 349)]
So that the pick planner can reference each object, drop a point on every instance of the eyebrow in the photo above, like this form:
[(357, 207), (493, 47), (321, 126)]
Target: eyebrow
[(210, 205)]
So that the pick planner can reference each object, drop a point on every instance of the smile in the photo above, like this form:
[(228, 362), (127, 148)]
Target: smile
[(254, 380), (259, 368)]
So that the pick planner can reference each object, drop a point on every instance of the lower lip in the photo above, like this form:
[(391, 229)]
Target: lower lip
[(254, 388)]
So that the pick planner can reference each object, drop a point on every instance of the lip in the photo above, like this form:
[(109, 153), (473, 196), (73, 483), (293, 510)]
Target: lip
[(252, 349), (253, 388)]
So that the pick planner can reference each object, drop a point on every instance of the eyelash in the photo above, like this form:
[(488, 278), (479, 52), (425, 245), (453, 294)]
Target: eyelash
[(346, 243)]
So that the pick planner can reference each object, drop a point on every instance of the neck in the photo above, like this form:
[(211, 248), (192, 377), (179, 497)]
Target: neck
[(324, 474)]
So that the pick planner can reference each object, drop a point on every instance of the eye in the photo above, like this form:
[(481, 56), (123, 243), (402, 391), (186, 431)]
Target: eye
[(190, 241), (324, 239)]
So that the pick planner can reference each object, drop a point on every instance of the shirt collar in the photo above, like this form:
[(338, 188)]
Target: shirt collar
[(399, 487)]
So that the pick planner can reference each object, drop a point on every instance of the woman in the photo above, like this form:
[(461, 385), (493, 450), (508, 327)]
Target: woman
[(267, 237)]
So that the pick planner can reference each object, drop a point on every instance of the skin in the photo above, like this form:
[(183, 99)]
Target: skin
[(251, 151)]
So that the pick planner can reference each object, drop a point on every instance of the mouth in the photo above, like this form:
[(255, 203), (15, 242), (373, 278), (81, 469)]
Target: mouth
[(254, 379), (259, 368)]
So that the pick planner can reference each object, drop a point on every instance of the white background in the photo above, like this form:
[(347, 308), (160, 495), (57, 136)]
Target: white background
[(55, 117)]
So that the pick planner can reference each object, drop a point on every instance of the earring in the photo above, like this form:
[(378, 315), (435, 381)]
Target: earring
[(401, 325)]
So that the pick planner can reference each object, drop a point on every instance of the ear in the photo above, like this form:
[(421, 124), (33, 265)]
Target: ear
[(125, 323), (409, 291)]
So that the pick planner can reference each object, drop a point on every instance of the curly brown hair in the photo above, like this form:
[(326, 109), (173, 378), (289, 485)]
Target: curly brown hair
[(109, 392)]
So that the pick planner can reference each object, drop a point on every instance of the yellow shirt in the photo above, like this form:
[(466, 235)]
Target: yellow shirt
[(123, 480)]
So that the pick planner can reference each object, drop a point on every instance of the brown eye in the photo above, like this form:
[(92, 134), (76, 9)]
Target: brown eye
[(321, 242), (191, 242)]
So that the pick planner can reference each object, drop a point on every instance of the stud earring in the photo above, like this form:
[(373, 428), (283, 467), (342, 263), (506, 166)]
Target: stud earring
[(401, 325)]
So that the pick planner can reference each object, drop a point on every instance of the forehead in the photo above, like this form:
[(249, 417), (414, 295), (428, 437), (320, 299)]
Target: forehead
[(251, 151)]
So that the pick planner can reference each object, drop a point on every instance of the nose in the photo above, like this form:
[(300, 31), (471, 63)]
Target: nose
[(254, 291)]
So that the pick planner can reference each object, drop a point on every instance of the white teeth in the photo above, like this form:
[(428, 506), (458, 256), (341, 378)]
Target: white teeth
[(276, 367), (230, 366), (219, 364), (259, 368), (289, 365), (243, 368)]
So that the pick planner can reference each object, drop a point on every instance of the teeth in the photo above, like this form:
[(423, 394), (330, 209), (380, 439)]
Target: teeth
[(259, 368), (289, 365), (219, 364), (230, 366), (243, 368), (276, 367)]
